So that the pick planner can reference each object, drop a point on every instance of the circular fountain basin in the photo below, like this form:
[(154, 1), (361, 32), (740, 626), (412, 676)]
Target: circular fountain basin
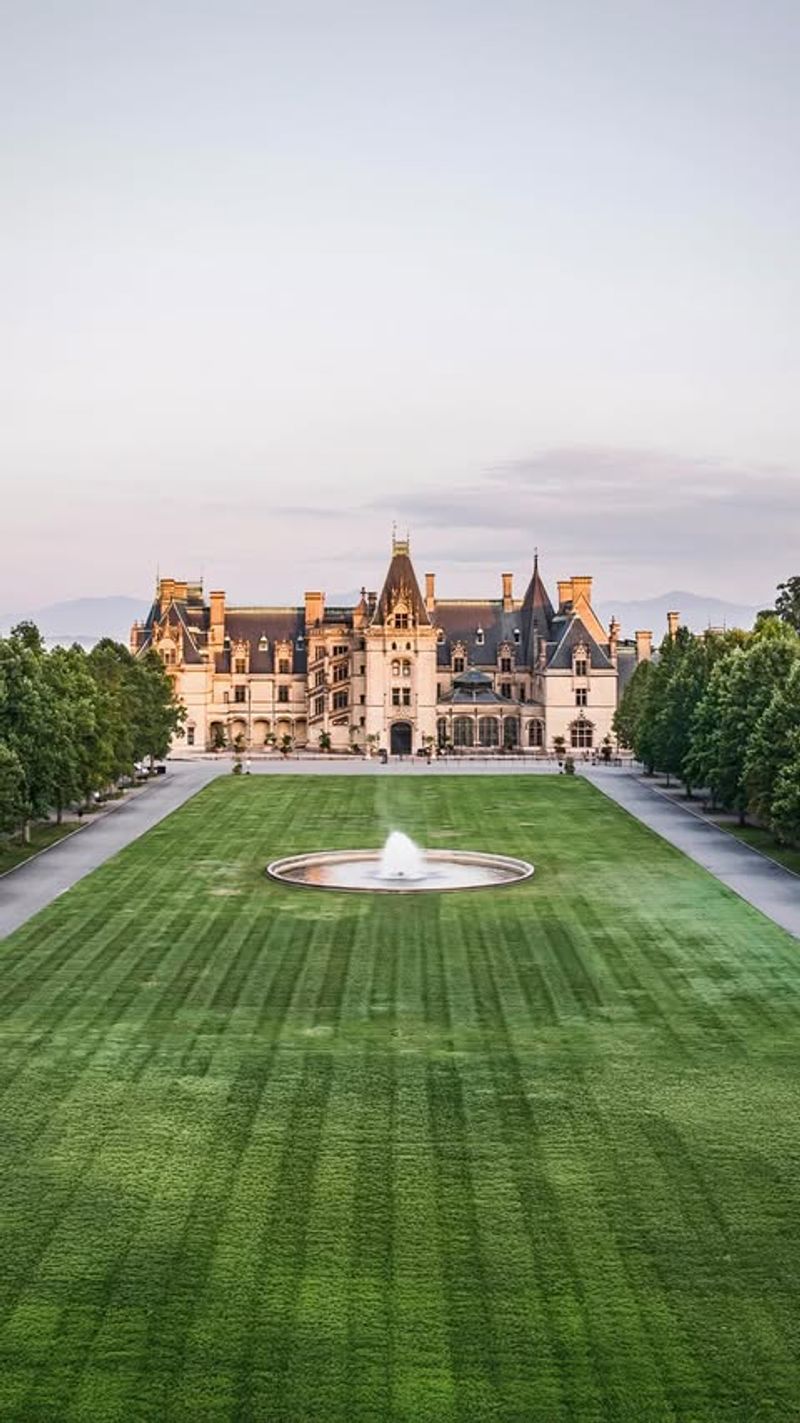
[(439, 871)]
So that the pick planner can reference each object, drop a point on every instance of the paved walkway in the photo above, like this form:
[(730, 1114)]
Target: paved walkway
[(762, 882), (26, 890)]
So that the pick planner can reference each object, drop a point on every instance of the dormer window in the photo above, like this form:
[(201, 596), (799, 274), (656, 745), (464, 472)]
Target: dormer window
[(581, 667), (300, 641), (401, 620), (263, 643), (440, 635), (479, 637), (226, 642), (517, 636)]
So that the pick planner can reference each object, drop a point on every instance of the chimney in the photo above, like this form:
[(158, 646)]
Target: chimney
[(672, 625), (166, 590), (217, 619), (315, 608), (644, 646), (582, 588), (430, 591), (613, 638), (508, 592), (564, 591)]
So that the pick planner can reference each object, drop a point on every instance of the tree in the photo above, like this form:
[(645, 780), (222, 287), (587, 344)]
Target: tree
[(25, 720), (628, 716), (787, 604), (159, 715), (13, 798), (785, 811), (325, 741), (772, 744), (112, 667), (740, 689), (75, 738)]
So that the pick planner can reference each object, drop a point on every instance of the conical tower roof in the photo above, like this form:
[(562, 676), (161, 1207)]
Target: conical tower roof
[(401, 586), (536, 614)]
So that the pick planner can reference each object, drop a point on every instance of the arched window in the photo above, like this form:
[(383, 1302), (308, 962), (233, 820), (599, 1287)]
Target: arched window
[(441, 731), (463, 731), (510, 732), (488, 731), (406, 667), (396, 667), (536, 733), (581, 735)]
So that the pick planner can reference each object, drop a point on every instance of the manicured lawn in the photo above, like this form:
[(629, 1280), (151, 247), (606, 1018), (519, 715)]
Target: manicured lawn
[(275, 1156)]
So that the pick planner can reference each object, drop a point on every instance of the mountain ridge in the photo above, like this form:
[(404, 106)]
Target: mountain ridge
[(86, 620)]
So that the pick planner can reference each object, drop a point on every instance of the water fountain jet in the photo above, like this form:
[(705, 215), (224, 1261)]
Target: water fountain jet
[(400, 867)]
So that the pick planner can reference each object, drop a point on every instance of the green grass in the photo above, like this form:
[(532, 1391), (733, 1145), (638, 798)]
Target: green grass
[(14, 851), (275, 1156), (761, 840)]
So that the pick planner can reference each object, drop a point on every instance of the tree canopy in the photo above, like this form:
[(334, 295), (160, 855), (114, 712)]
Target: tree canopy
[(721, 711), (73, 722)]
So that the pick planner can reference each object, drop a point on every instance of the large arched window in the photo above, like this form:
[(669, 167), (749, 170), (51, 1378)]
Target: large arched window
[(441, 731), (581, 735), (488, 731), (510, 732), (536, 733), (463, 731)]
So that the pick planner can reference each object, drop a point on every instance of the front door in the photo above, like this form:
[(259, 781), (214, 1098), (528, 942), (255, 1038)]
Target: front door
[(401, 738)]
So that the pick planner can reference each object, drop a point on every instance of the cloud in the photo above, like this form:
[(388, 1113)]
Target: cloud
[(632, 505)]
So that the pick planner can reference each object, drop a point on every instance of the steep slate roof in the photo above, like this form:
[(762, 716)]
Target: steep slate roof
[(570, 633), (188, 614), (537, 617), (626, 665), (401, 583), (276, 624), (460, 622)]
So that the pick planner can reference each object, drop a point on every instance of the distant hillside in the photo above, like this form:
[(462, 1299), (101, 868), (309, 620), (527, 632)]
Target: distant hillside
[(697, 612), (83, 620)]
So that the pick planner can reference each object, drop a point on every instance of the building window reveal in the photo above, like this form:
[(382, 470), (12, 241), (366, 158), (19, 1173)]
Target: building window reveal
[(240, 694), (283, 693)]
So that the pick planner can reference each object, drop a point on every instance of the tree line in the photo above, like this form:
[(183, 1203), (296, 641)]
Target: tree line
[(721, 712), (74, 723)]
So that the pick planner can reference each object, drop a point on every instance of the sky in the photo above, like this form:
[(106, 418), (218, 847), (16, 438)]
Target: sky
[(515, 274)]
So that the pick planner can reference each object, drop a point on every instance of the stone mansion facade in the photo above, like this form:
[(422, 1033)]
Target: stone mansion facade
[(401, 671)]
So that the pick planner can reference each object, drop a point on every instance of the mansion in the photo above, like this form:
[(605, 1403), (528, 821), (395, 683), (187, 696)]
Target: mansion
[(400, 671)]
